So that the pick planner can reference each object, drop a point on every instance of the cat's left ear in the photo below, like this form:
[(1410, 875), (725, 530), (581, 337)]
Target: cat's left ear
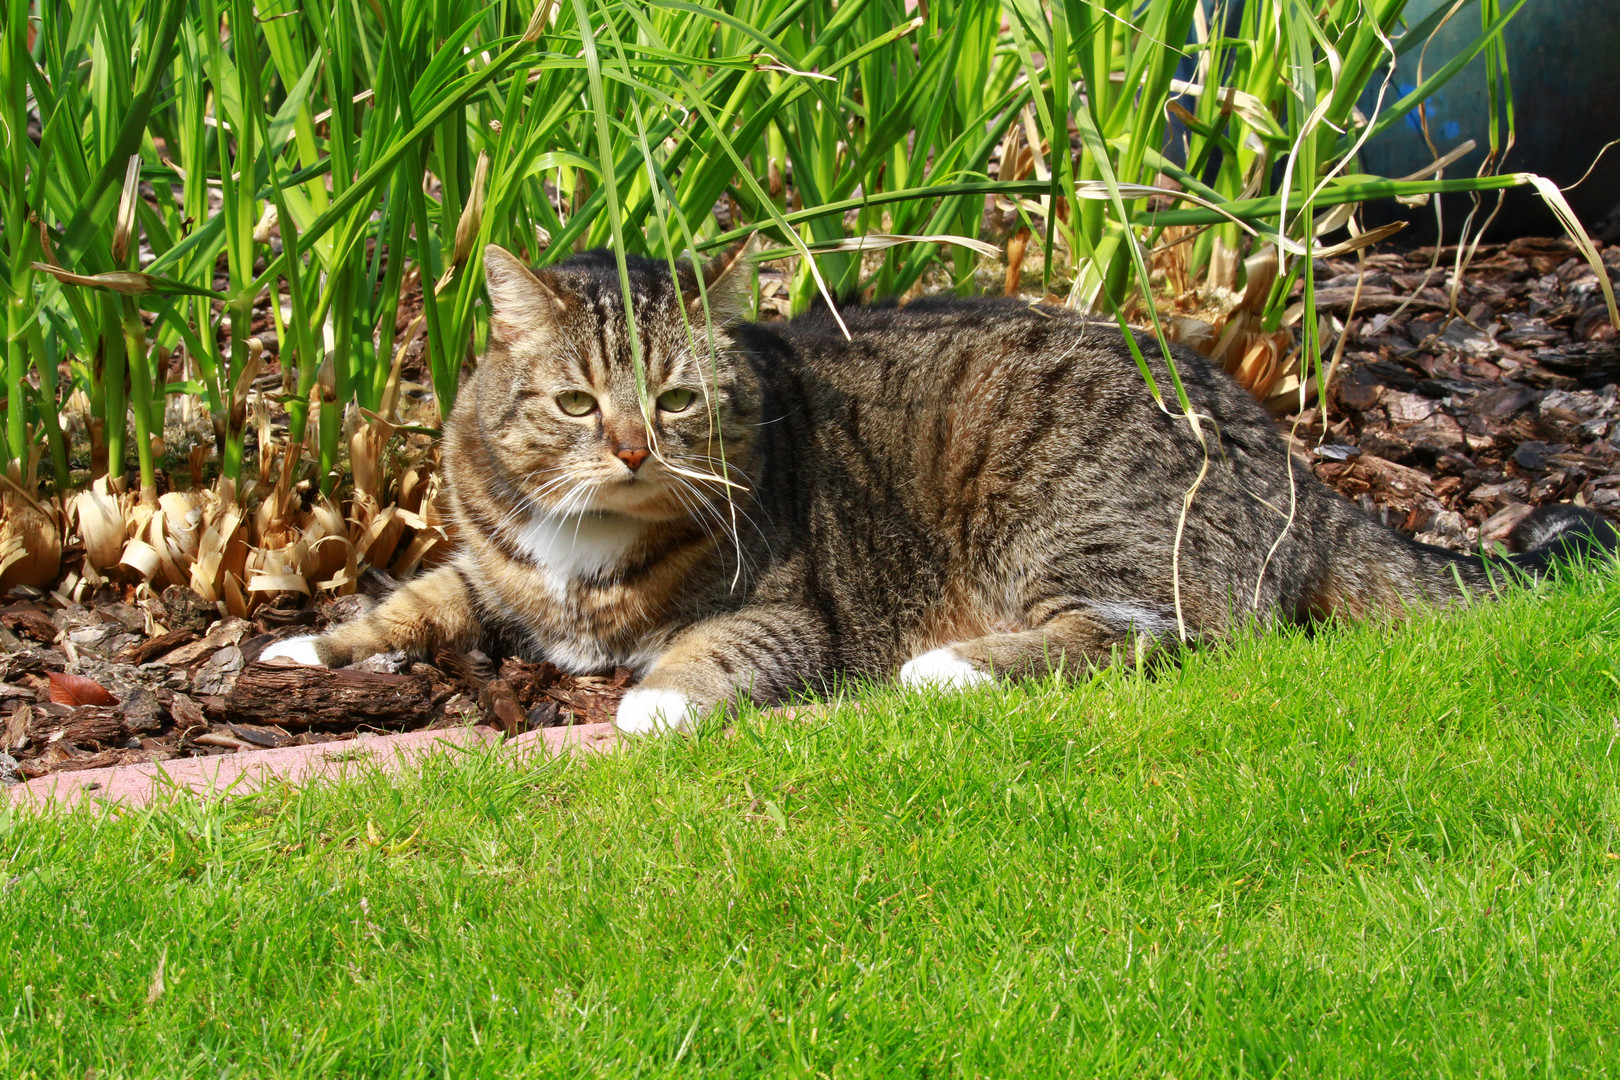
[(728, 280)]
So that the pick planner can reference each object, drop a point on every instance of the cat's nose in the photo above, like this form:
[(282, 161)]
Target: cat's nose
[(632, 456)]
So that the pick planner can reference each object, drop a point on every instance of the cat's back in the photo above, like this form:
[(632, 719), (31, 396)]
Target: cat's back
[(949, 405), (996, 359), (897, 354)]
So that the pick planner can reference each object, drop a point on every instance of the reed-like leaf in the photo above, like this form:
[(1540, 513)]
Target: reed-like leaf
[(324, 168)]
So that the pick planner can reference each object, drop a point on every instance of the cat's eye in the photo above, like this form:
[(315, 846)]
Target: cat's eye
[(676, 400), (576, 403)]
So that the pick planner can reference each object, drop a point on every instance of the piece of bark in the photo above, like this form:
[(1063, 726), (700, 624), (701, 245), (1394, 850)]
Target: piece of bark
[(1371, 302), (17, 725), (223, 739), (130, 617), (227, 632), (297, 696), (529, 680), (345, 608), (458, 710), (270, 619), (143, 712), (1584, 358), (471, 669), (1504, 402), (444, 688), (252, 648), (1537, 247), (267, 738), (591, 700), (185, 610), (30, 662), (30, 623), (1500, 494), (148, 651), (1501, 523), (90, 726), (1358, 389), (218, 673), (101, 760), (187, 713), (501, 706), (1593, 324)]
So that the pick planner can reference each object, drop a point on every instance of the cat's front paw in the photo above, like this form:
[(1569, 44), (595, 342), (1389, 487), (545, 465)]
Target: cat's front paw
[(941, 669), (652, 711), (299, 650)]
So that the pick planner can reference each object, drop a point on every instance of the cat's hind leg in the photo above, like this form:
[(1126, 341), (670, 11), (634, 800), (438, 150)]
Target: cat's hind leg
[(1072, 641), (433, 611)]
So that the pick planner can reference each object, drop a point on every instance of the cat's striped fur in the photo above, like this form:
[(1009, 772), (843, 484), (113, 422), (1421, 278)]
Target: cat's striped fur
[(960, 487)]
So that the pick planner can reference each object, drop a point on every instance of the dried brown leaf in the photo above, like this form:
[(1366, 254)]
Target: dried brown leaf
[(77, 690)]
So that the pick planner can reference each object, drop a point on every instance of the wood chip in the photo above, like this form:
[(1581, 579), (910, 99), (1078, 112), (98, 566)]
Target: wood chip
[(148, 651), (88, 726), (227, 632), (301, 697), (215, 738), (500, 704), (1373, 302), (30, 623)]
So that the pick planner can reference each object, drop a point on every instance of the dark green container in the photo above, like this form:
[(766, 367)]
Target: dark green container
[(1564, 58)]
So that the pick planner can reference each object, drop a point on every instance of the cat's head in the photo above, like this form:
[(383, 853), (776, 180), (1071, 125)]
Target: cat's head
[(557, 403)]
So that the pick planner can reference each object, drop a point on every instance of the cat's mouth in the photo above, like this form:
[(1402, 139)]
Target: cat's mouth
[(650, 493), (643, 493)]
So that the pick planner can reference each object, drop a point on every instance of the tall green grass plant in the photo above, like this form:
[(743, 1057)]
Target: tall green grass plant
[(173, 169)]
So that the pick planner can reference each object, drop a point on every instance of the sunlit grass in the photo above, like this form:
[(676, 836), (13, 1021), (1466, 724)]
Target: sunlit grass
[(1378, 851)]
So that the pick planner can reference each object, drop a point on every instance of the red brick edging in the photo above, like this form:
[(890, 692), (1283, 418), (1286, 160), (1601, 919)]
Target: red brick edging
[(246, 771)]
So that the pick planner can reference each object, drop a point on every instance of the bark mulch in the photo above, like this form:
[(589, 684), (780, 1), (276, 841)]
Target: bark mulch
[(127, 679), (1449, 429), (1453, 429)]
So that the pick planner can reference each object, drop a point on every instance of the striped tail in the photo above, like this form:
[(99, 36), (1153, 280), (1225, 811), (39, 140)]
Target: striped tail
[(1560, 533)]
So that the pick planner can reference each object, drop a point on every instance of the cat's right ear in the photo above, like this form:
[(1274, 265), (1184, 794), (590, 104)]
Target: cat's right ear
[(729, 282), (520, 301)]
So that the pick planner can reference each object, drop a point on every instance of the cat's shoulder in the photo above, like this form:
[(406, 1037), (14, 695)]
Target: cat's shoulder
[(922, 314)]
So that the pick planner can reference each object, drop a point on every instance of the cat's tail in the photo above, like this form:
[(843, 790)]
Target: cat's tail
[(1404, 570), (1548, 536), (1559, 533)]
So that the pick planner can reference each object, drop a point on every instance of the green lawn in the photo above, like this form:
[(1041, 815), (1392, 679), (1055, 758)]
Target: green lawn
[(1382, 851)]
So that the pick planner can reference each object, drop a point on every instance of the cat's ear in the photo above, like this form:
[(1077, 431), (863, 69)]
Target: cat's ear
[(520, 301), (728, 279)]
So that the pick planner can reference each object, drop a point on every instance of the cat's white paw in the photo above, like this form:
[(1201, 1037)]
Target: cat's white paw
[(300, 650), (647, 712), (941, 669)]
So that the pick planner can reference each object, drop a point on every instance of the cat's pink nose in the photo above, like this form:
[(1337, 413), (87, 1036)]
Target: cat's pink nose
[(633, 456)]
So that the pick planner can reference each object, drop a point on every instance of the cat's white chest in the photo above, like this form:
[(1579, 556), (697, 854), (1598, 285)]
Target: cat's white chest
[(569, 547)]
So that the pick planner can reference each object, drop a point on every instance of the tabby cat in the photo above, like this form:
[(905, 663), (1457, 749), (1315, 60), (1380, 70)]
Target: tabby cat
[(958, 489)]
